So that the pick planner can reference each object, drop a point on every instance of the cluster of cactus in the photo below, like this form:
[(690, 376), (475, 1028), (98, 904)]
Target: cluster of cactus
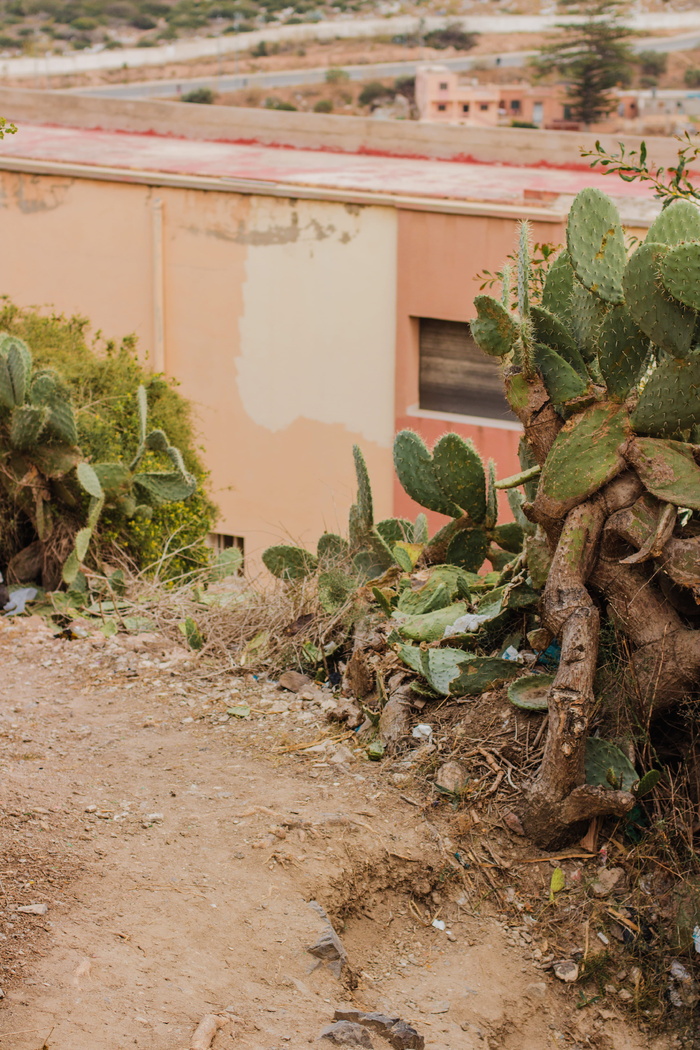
[(452, 481), (43, 470), (134, 492), (614, 342), (393, 563)]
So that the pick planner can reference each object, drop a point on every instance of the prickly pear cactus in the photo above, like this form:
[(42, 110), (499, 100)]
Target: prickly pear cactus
[(604, 374)]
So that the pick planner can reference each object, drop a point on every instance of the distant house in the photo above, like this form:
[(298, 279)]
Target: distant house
[(446, 97)]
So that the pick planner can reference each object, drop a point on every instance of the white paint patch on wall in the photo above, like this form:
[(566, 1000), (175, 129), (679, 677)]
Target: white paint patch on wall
[(317, 333)]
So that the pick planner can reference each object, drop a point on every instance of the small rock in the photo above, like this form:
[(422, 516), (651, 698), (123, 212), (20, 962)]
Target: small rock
[(33, 909), (402, 1036), (91, 809), (452, 777), (441, 1008), (512, 822), (346, 1033), (329, 947), (380, 1022), (606, 881), (347, 711), (341, 756), (536, 990), (395, 723), (154, 818), (625, 996), (566, 970), (294, 681)]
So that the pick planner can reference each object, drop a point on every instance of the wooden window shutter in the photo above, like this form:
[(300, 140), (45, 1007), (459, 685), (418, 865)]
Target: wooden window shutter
[(456, 376)]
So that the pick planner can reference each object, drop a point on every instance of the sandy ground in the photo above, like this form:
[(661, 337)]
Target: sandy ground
[(177, 851)]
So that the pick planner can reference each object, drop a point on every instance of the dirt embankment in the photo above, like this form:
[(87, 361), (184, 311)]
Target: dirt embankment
[(176, 841)]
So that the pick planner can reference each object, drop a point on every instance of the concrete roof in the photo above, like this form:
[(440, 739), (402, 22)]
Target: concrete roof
[(256, 168)]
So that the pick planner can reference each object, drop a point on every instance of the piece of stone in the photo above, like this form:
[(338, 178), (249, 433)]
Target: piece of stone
[(536, 990), (346, 1033), (395, 722), (379, 1022), (329, 947), (566, 970), (341, 756), (33, 909), (402, 1036), (452, 777), (294, 681), (606, 881)]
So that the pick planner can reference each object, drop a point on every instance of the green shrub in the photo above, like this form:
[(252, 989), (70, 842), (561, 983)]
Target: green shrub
[(652, 63), (692, 77), (103, 378), (324, 105), (335, 76), (277, 103), (260, 50), (202, 95), (451, 36), (372, 92), (141, 21)]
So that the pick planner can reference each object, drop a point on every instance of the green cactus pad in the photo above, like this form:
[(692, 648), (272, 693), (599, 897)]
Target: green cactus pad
[(491, 496), (596, 244), (430, 627), (445, 584), (55, 460), (335, 589), (668, 324), (467, 549), (459, 472), (680, 274), (395, 530), (623, 351), (680, 221), (494, 330), (364, 489), (26, 425), (414, 469), (420, 529), (558, 288), (551, 331), (19, 365), (585, 454), (289, 563), (61, 422), (115, 478), (331, 549), (142, 407), (670, 400), (531, 692), (607, 766), (157, 441), (509, 536), (667, 469), (167, 488), (587, 313), (563, 382), (89, 480), (539, 559), (480, 673), (374, 557), (515, 502)]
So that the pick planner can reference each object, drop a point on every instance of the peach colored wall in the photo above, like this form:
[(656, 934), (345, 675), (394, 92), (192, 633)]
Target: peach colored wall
[(439, 259), (278, 319)]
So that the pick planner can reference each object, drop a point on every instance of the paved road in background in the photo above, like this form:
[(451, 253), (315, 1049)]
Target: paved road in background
[(378, 70), (201, 47)]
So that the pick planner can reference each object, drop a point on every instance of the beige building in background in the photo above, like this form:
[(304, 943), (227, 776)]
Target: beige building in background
[(305, 299)]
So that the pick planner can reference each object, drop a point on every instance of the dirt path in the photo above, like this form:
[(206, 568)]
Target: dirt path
[(177, 855)]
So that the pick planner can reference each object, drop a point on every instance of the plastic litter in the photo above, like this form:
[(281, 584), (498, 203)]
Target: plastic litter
[(511, 653), (696, 938), (466, 624), (439, 924), (423, 732), (19, 599)]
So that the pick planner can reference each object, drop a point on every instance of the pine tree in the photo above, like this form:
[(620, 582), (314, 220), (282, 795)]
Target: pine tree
[(592, 58)]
